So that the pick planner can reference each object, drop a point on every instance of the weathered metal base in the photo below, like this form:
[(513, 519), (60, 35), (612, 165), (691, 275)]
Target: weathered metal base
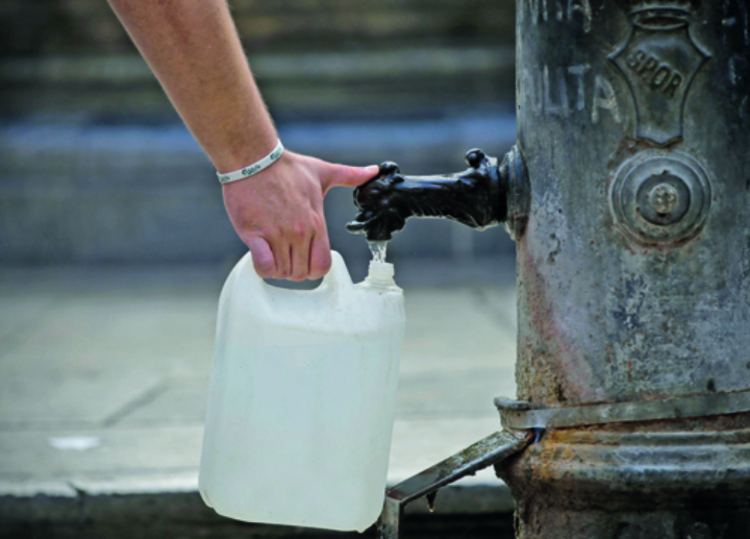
[(661, 480), (696, 522)]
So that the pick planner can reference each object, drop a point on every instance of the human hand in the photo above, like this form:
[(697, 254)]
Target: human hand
[(278, 213)]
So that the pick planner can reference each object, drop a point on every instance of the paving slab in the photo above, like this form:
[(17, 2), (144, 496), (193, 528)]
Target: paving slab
[(104, 375)]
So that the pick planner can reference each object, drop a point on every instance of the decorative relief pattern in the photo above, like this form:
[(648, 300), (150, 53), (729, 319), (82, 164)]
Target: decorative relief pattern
[(659, 62)]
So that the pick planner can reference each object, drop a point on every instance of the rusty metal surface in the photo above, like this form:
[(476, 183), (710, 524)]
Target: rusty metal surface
[(604, 317), (667, 479), (486, 452), (517, 416), (634, 267)]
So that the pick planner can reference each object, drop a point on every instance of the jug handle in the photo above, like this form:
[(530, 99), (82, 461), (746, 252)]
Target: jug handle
[(337, 277)]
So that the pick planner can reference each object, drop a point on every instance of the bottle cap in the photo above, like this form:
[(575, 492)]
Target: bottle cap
[(380, 274)]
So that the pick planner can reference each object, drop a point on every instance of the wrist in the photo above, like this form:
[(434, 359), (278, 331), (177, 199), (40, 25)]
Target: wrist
[(237, 149), (251, 169)]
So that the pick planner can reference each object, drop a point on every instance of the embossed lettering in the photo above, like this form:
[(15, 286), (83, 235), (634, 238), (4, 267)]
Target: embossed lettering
[(559, 12), (736, 17), (532, 94), (537, 8), (636, 59), (562, 107), (674, 83), (578, 72), (604, 98), (660, 77), (648, 67), (657, 74), (563, 11), (560, 91), (583, 7)]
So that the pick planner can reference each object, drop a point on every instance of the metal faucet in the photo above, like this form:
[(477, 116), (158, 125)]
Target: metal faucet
[(486, 194)]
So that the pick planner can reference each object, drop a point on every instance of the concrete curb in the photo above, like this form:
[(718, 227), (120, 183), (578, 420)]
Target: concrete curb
[(182, 514)]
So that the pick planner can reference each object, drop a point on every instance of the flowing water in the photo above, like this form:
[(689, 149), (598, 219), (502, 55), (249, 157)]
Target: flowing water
[(378, 249)]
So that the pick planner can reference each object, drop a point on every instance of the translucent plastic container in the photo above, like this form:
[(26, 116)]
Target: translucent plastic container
[(302, 397)]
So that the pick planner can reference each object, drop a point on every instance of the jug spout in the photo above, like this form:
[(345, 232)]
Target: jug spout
[(484, 195)]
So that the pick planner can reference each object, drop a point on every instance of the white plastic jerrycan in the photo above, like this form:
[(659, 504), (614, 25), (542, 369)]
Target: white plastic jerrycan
[(302, 397)]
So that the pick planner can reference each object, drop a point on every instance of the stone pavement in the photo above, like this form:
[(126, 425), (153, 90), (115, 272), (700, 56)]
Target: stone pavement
[(104, 371)]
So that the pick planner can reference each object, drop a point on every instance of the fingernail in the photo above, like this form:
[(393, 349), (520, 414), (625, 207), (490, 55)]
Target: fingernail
[(372, 169)]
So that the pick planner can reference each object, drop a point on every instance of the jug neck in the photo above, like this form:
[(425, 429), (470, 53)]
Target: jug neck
[(380, 275)]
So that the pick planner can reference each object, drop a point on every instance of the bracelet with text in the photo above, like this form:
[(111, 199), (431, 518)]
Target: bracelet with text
[(256, 167)]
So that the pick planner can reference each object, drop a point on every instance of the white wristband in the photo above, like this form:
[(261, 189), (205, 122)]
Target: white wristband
[(256, 167)]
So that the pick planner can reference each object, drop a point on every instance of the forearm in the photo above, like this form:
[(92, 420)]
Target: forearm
[(193, 48)]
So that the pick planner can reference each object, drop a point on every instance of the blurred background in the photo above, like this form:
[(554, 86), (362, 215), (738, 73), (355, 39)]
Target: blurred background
[(96, 167), (114, 245)]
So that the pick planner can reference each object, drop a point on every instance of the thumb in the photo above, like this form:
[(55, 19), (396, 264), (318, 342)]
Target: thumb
[(347, 176)]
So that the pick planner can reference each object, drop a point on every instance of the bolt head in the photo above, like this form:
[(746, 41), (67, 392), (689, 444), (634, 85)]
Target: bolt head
[(663, 199)]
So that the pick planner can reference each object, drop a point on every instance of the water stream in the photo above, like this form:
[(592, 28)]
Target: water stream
[(378, 250)]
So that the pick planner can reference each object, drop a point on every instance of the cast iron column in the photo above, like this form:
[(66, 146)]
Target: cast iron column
[(634, 126)]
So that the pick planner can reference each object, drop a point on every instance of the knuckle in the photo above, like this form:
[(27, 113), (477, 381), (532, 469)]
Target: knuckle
[(271, 233), (247, 237), (299, 230), (318, 222)]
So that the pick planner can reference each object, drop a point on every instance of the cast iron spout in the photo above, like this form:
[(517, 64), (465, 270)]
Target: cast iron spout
[(476, 197)]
